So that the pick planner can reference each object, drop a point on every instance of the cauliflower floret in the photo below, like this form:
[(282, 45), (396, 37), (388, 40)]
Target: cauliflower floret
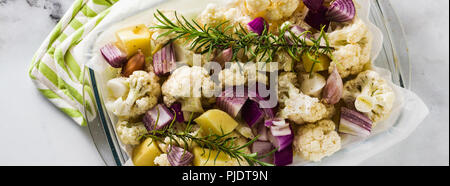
[(285, 61), (316, 141), (369, 93), (170, 14), (188, 85), (133, 96), (179, 142), (272, 10), (349, 58), (353, 46), (162, 160), (297, 106), (352, 33), (129, 133), (214, 15), (241, 74)]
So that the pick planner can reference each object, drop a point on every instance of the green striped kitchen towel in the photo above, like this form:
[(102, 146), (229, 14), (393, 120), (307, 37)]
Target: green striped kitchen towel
[(54, 70)]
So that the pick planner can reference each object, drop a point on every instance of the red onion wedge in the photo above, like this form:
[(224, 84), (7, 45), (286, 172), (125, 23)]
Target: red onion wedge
[(280, 128), (258, 25), (298, 32), (252, 114), (264, 104), (113, 55), (275, 122), (313, 5), (178, 156), (334, 88), (230, 102), (281, 142), (317, 19), (355, 123), (176, 109), (341, 11), (157, 118), (284, 157), (263, 148), (164, 60)]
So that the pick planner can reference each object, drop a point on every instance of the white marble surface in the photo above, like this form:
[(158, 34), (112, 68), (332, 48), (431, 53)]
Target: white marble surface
[(33, 132)]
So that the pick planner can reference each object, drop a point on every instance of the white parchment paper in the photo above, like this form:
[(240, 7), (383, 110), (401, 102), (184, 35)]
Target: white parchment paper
[(409, 110)]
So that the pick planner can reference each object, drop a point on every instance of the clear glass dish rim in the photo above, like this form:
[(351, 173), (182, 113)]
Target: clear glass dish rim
[(397, 61)]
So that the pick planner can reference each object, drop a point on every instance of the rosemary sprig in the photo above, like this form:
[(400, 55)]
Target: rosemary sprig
[(222, 143), (205, 39)]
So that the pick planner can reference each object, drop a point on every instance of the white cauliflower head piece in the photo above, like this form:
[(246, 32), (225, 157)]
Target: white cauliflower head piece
[(353, 45), (162, 160), (298, 107), (315, 141), (238, 74), (215, 14), (129, 133), (272, 10), (188, 85), (370, 94), (133, 96), (170, 14)]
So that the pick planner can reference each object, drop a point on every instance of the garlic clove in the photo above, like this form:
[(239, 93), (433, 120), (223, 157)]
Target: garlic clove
[(334, 89), (313, 85), (117, 87), (136, 63), (224, 57)]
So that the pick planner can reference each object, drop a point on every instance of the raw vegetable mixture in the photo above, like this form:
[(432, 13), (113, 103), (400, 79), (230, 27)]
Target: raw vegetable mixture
[(174, 111)]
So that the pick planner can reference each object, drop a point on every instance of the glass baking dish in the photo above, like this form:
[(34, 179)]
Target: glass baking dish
[(393, 56)]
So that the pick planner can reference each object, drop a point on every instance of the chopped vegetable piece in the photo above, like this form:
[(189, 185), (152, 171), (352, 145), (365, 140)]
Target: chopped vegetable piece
[(217, 121), (316, 63), (334, 89), (118, 87), (230, 102), (253, 95), (178, 156), (113, 55), (263, 148), (134, 38), (252, 114), (275, 122), (299, 33), (145, 153), (284, 157), (224, 57), (281, 142), (176, 109), (341, 11), (161, 114), (192, 105), (257, 25), (312, 84), (263, 132), (355, 123), (317, 19), (136, 63), (268, 112), (313, 5), (207, 157), (164, 60), (280, 128)]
